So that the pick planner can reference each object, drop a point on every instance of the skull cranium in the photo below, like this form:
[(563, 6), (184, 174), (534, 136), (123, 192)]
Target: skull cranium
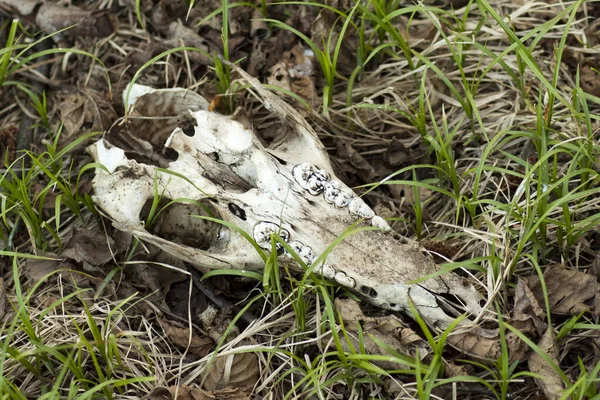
[(288, 189)]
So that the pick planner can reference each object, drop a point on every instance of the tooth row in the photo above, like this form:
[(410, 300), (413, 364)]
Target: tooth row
[(262, 235), (317, 181)]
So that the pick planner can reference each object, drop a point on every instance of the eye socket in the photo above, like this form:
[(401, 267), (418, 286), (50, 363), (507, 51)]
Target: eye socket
[(176, 223)]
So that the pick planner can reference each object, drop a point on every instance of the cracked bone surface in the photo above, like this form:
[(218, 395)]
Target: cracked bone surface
[(287, 189)]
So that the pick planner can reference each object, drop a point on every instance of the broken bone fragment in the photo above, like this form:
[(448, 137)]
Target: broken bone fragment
[(265, 192)]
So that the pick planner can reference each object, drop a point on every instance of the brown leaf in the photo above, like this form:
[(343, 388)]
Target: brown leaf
[(90, 246), (198, 345), (387, 329), (52, 17), (549, 381), (569, 291), (181, 35), (483, 344), (22, 7), (527, 313), (234, 370), (152, 278), (327, 29), (354, 162), (193, 393), (84, 111), (36, 270)]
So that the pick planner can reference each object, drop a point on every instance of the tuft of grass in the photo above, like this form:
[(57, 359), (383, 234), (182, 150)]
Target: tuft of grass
[(22, 205)]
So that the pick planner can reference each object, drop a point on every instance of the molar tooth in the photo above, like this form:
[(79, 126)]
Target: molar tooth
[(344, 280), (310, 178), (360, 208), (380, 223), (337, 194), (305, 253), (326, 270), (262, 235)]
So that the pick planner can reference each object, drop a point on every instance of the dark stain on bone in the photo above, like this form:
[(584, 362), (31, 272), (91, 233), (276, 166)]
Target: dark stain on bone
[(237, 211)]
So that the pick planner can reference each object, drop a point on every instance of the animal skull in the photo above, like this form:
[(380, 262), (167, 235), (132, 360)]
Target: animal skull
[(288, 189)]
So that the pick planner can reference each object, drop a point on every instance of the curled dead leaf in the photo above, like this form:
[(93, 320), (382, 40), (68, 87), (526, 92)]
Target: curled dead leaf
[(387, 329), (89, 246), (182, 337), (36, 270), (569, 291), (484, 345), (84, 111), (549, 381), (52, 17), (528, 316), (233, 370), (194, 393)]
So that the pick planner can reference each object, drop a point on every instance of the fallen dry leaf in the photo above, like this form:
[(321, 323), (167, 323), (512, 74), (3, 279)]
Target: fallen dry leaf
[(528, 316), (549, 381), (152, 278), (197, 345), (193, 393), (569, 291), (84, 111), (89, 246), (353, 162), (53, 17), (294, 73), (387, 329), (234, 370), (481, 344)]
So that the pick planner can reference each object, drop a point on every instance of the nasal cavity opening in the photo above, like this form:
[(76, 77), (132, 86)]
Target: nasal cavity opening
[(182, 223)]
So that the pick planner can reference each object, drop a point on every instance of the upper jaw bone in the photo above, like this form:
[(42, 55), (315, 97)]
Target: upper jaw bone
[(265, 192)]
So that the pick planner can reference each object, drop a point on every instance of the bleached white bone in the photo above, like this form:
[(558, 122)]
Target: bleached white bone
[(275, 191)]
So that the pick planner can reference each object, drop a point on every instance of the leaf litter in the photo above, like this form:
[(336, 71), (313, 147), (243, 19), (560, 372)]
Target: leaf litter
[(571, 292)]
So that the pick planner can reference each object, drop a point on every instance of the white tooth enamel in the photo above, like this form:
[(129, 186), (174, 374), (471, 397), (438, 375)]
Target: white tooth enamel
[(262, 234), (380, 223), (310, 177), (337, 194), (359, 208), (344, 280), (326, 271), (305, 253)]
